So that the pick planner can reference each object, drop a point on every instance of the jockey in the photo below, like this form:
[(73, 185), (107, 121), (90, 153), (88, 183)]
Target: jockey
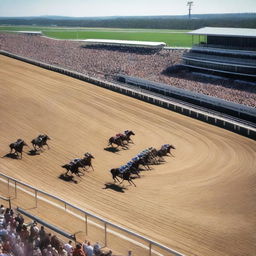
[(18, 142), (130, 163), (140, 155), (74, 161), (126, 131), (136, 158), (165, 146), (122, 169), (40, 138)]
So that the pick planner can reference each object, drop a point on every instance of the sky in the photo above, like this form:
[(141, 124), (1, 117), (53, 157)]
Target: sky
[(92, 8)]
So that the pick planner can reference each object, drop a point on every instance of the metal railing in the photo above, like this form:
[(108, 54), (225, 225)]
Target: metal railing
[(147, 244), (8, 200), (44, 223)]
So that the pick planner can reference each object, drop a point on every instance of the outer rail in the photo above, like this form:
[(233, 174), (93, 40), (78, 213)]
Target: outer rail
[(54, 228)]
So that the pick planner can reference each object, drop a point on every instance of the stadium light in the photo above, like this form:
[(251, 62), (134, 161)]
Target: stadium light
[(189, 4)]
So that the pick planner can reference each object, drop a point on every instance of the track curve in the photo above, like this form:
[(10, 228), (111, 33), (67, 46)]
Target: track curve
[(200, 202)]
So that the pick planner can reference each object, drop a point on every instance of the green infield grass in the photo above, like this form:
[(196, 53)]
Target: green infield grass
[(177, 38)]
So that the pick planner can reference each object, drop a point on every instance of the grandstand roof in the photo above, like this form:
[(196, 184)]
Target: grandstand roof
[(30, 32), (233, 32), (124, 43)]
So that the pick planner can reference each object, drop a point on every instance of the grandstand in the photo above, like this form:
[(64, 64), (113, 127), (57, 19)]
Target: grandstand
[(122, 43), (225, 51)]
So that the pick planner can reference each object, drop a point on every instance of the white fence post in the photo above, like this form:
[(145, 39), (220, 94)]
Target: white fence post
[(36, 197), (105, 228)]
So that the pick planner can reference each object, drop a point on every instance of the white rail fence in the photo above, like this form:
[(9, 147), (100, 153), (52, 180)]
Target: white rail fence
[(200, 114), (146, 246)]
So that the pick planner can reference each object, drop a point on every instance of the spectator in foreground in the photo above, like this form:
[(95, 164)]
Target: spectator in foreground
[(69, 248), (88, 249), (78, 251), (2, 209), (37, 252), (42, 233), (62, 251), (96, 249)]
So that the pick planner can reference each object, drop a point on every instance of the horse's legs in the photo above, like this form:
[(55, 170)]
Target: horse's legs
[(78, 174), (116, 179), (124, 145), (92, 167), (171, 154), (147, 166), (34, 146), (137, 173), (47, 145), (16, 152), (131, 141), (131, 182)]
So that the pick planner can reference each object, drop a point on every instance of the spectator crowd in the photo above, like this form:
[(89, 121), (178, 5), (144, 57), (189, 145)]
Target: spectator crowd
[(107, 62), (20, 239)]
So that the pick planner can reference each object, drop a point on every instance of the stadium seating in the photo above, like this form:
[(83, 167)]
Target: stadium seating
[(222, 60)]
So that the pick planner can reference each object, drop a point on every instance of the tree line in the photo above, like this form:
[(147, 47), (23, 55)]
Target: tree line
[(244, 20)]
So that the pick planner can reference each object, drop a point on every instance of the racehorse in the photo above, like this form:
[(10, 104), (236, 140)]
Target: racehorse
[(146, 157), (166, 149), (157, 156), (126, 136), (18, 147), (73, 167), (87, 160), (40, 141), (116, 140), (126, 175), (143, 160)]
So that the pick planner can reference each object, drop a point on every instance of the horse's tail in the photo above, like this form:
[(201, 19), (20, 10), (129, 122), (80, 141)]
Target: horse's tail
[(66, 166), (110, 141)]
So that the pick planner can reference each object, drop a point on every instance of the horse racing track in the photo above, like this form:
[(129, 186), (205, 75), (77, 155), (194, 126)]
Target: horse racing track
[(199, 202)]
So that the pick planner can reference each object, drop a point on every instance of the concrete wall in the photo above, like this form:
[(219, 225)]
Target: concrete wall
[(210, 118)]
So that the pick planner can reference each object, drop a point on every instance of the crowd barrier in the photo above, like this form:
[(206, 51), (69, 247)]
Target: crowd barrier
[(200, 114), (44, 223), (7, 200), (17, 189)]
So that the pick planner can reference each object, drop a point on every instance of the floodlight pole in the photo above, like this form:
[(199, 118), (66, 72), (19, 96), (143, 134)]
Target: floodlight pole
[(189, 4)]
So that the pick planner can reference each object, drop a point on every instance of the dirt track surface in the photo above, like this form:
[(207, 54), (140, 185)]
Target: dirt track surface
[(200, 202)]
